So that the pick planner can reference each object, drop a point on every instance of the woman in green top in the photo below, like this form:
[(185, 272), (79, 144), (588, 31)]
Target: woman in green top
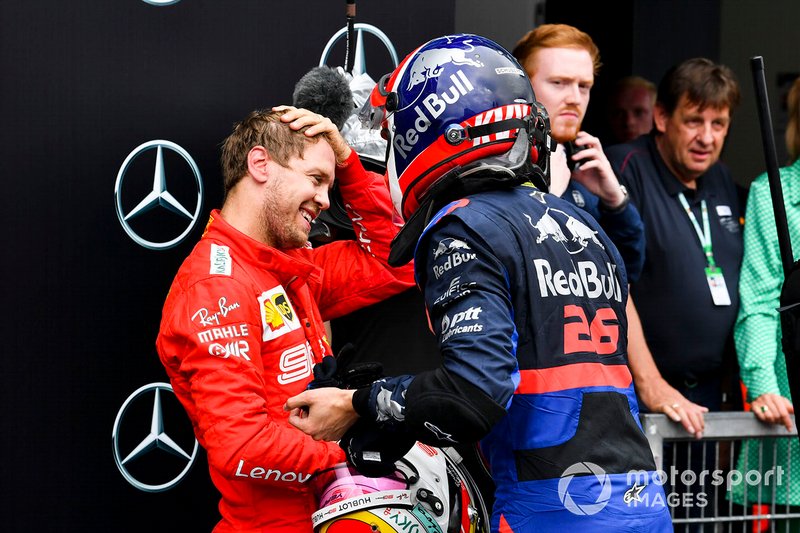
[(758, 332)]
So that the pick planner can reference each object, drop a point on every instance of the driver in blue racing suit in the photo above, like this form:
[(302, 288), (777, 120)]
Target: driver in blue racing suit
[(526, 295)]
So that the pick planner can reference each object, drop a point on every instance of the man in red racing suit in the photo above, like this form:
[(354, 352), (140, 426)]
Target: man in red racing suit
[(242, 325)]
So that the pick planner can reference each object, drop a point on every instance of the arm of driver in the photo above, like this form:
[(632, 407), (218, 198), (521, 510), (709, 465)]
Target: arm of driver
[(324, 414)]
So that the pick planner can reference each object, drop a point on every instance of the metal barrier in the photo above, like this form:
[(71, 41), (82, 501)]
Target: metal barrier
[(732, 479)]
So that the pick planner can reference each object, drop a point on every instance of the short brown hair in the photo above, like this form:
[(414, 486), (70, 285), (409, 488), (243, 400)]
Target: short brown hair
[(260, 128), (556, 36), (705, 84)]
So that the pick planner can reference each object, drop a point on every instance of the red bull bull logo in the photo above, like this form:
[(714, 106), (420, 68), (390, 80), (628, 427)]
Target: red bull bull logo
[(429, 64), (548, 227)]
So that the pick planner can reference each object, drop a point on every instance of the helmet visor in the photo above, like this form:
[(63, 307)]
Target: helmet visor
[(372, 113)]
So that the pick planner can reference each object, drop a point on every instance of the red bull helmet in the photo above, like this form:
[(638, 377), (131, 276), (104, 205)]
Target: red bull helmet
[(453, 101), (430, 491), (460, 116)]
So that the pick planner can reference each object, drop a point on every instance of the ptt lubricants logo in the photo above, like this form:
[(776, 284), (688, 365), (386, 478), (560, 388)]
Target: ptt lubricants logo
[(277, 315)]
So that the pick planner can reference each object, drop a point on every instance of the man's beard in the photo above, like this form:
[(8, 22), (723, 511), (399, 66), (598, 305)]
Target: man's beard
[(565, 133), (276, 225)]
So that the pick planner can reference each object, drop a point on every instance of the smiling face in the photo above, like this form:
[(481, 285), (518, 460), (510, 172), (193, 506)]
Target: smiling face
[(691, 140), (562, 79), (295, 195)]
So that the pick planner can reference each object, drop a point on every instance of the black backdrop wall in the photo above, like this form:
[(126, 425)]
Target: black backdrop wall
[(82, 84)]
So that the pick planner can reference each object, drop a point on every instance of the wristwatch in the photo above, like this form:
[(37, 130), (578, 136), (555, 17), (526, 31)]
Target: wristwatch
[(621, 207)]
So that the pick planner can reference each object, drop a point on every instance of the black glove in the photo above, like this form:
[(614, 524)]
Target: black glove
[(339, 372), (325, 374), (373, 450), (370, 449), (360, 375)]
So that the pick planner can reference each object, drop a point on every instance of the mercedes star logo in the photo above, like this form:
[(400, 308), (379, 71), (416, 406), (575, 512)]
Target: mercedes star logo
[(359, 63), (158, 196), (140, 459)]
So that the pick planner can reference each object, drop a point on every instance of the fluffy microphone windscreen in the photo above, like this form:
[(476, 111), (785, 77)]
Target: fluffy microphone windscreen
[(325, 91)]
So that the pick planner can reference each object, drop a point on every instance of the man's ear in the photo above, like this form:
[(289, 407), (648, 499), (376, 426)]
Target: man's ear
[(660, 117), (258, 163)]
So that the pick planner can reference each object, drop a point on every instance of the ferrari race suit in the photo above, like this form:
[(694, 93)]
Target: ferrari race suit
[(526, 295), (241, 329)]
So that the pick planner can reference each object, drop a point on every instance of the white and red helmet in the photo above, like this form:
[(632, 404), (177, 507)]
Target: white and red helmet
[(430, 491)]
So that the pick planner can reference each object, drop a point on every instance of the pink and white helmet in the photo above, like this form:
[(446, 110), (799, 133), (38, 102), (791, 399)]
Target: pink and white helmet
[(430, 489)]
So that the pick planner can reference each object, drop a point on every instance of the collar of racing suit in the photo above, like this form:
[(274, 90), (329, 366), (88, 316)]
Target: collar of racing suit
[(285, 265)]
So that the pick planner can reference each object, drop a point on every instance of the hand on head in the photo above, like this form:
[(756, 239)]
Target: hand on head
[(298, 118)]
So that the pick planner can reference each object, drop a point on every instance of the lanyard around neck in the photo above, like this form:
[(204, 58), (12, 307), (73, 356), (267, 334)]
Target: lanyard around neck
[(703, 235)]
